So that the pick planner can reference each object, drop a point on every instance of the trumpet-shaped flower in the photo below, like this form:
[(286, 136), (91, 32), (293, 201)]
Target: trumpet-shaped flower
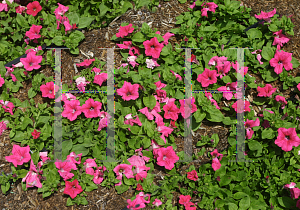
[(250, 124), (151, 63), (280, 39), (33, 32), (60, 10), (86, 63), (207, 77), (91, 108), (266, 15), (33, 8), (129, 91), (171, 111), (125, 30), (280, 60), (72, 110), (19, 155), (188, 107), (73, 188), (167, 157), (239, 106), (64, 168), (267, 91), (48, 90), (153, 47), (31, 61), (287, 138), (98, 175)]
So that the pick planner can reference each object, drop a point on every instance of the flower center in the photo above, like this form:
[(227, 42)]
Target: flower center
[(50, 91), (34, 9), (21, 158), (91, 109), (152, 47), (128, 93), (279, 62), (74, 187), (209, 78), (164, 157), (121, 170), (287, 137), (30, 63), (73, 111)]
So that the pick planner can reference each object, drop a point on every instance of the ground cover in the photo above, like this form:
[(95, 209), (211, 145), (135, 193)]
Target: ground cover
[(109, 197)]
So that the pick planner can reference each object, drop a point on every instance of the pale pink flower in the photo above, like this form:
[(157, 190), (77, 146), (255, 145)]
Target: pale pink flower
[(153, 47), (43, 156), (7, 106), (10, 73), (258, 56), (250, 124), (151, 63), (157, 202), (125, 30), (19, 155), (207, 77), (280, 60), (287, 138), (64, 169), (129, 91), (131, 60), (48, 90), (280, 39), (167, 157), (267, 91)]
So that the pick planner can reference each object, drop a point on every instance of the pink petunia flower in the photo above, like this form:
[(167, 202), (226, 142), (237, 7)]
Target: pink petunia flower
[(35, 134), (31, 61), (207, 77), (48, 90), (141, 169), (33, 8), (187, 107), (157, 202), (32, 179), (280, 60), (1, 81), (60, 10), (99, 79), (131, 60), (43, 156), (89, 164), (211, 7), (171, 111), (239, 106), (19, 155), (266, 15), (298, 86), (213, 101), (10, 73), (125, 45), (287, 138), (64, 20), (123, 169), (72, 157), (250, 124), (258, 56), (137, 203), (98, 175), (166, 37), (267, 91), (176, 75), (7, 106), (236, 67), (86, 63), (129, 91), (73, 188), (20, 9), (125, 30), (72, 110), (33, 32), (192, 175), (64, 168), (229, 87), (104, 119), (167, 157), (150, 114), (3, 126), (81, 83), (223, 69), (153, 47), (279, 39), (216, 165), (281, 100), (91, 108), (184, 199), (4, 6)]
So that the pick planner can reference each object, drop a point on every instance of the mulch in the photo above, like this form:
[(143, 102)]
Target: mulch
[(108, 199)]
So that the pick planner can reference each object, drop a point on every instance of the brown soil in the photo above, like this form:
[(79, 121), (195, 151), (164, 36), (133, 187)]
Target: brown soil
[(105, 198)]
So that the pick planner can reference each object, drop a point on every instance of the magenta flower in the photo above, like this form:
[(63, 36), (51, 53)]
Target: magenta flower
[(216, 165), (129, 91), (192, 175), (167, 157), (236, 67), (250, 124), (98, 175), (64, 168), (153, 47), (73, 188), (89, 164), (258, 56), (229, 87), (31, 61), (60, 10), (298, 86), (48, 90), (33, 32), (184, 199), (35, 134), (10, 73), (32, 179), (171, 111), (103, 120), (188, 107), (207, 77), (91, 108), (86, 63), (33, 8), (212, 101), (150, 114), (125, 45), (281, 100), (211, 7), (141, 169), (72, 110), (267, 91), (280, 39), (123, 169), (73, 158), (295, 192), (176, 75), (43, 156), (7, 106), (1, 81), (157, 202), (3, 126), (130, 120), (125, 30), (280, 60), (266, 15), (64, 20), (287, 138), (137, 203), (241, 105), (19, 155), (99, 79), (166, 37), (223, 69)]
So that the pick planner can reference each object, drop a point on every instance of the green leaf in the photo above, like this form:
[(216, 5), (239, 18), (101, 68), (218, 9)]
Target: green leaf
[(58, 40), (179, 95), (73, 17), (254, 145), (267, 133), (267, 53), (79, 148), (22, 21), (103, 9), (286, 202), (26, 122), (143, 3), (149, 101), (214, 114), (85, 22), (138, 37), (122, 188), (239, 195), (245, 203), (254, 33), (225, 180), (199, 116), (126, 6), (31, 92), (295, 62)]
